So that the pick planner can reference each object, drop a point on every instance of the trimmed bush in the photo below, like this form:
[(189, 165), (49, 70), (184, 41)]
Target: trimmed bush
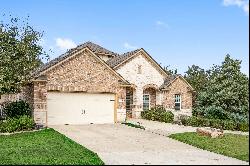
[(17, 124), (158, 113), (167, 117), (17, 109)]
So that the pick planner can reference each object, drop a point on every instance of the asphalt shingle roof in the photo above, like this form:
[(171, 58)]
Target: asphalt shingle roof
[(121, 58)]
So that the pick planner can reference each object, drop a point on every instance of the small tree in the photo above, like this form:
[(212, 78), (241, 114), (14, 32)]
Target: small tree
[(20, 53)]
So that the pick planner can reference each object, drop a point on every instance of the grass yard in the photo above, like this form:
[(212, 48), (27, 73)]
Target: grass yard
[(232, 145), (43, 148)]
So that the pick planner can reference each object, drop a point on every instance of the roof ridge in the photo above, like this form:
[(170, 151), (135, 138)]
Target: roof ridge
[(91, 44), (131, 51)]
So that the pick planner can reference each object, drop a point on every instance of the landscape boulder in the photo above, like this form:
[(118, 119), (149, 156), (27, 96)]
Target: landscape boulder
[(210, 132)]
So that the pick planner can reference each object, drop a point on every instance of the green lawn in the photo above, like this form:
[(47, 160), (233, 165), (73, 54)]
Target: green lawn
[(44, 147), (231, 145)]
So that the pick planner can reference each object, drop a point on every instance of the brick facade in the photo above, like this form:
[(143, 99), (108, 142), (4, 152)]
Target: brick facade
[(85, 71)]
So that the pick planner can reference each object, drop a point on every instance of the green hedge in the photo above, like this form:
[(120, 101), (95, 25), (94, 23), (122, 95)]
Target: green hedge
[(16, 109), (17, 124), (214, 123), (158, 114)]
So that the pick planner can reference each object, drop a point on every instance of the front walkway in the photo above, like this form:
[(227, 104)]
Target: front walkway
[(167, 129), (120, 144)]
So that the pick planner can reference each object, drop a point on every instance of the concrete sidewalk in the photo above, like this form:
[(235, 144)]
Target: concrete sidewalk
[(167, 129)]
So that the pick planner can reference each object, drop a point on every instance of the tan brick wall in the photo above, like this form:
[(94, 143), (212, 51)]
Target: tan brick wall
[(82, 73), (177, 87)]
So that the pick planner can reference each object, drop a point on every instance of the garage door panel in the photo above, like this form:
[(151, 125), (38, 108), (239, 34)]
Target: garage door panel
[(80, 108)]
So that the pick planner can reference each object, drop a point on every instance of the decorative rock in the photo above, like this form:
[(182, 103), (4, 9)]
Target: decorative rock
[(211, 132)]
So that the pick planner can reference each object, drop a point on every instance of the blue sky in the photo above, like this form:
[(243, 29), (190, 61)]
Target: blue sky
[(178, 33)]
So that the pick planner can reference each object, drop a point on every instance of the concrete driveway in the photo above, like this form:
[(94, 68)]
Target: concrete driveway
[(120, 144)]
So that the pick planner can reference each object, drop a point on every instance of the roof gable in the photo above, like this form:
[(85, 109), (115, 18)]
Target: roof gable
[(98, 50), (65, 58), (117, 62), (172, 78)]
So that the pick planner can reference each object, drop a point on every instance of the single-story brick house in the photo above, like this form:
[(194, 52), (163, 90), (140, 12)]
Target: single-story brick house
[(90, 84)]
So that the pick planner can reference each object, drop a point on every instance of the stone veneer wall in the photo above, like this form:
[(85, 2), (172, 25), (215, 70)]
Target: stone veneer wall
[(149, 75), (81, 73), (40, 103)]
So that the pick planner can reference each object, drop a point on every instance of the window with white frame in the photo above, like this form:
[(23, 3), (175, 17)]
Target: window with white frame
[(145, 101), (177, 101)]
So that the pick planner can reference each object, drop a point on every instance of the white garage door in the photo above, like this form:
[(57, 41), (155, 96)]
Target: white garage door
[(80, 108)]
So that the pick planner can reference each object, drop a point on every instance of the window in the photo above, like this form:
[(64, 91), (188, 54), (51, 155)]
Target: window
[(139, 69), (177, 102), (145, 102)]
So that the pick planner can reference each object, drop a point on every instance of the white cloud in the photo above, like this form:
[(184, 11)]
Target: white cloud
[(244, 4), (246, 8), (129, 46), (161, 24), (65, 44)]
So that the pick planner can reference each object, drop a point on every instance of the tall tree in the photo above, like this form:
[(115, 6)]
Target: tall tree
[(20, 54), (170, 71), (226, 92), (197, 77)]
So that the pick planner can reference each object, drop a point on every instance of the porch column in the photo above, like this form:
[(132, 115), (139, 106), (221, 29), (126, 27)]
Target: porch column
[(138, 103), (40, 103), (158, 97)]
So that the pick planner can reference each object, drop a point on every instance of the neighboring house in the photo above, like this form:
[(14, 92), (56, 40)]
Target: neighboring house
[(90, 84)]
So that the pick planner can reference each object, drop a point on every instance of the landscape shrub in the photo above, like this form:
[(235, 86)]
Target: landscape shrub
[(167, 117), (158, 113), (17, 109), (183, 119), (214, 123), (229, 125), (243, 126), (17, 124)]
